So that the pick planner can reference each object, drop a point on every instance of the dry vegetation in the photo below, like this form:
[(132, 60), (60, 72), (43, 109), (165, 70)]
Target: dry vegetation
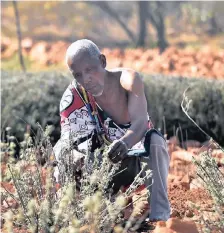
[(32, 201)]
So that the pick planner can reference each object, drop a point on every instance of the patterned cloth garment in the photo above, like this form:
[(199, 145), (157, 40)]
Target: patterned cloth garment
[(77, 122)]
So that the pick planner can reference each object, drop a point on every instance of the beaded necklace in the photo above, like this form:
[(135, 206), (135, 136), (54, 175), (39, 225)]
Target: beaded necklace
[(90, 103)]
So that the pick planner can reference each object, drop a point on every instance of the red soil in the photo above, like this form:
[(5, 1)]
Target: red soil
[(174, 61)]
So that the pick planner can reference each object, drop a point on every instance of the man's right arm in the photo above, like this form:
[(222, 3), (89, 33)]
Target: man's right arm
[(65, 143), (64, 150)]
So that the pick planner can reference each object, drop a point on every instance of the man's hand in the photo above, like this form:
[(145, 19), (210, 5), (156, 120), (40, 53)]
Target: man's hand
[(117, 151)]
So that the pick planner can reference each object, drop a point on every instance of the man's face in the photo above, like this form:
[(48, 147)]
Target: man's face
[(89, 72)]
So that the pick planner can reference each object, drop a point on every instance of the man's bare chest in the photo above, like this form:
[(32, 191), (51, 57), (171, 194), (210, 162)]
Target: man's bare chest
[(116, 107)]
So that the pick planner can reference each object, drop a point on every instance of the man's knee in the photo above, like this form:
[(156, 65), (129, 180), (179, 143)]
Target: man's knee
[(157, 139), (154, 138), (158, 148)]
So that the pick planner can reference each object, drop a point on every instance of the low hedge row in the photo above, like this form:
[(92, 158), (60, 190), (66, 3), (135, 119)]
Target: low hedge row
[(28, 99), (164, 97), (35, 97)]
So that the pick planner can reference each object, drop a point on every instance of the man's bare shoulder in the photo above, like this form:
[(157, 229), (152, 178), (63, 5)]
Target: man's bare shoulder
[(130, 79)]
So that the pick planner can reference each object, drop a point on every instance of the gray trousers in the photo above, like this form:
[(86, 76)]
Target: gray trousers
[(158, 161)]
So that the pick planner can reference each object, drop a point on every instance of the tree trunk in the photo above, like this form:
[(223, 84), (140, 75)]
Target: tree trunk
[(157, 19), (105, 7), (18, 31), (214, 27), (142, 11), (162, 43)]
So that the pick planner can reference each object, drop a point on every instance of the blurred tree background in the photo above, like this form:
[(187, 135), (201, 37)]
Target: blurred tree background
[(137, 23)]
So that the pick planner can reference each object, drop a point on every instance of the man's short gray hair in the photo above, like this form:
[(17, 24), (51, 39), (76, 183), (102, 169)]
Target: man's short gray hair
[(80, 46)]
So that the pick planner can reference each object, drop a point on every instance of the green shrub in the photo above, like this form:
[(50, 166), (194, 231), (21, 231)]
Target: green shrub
[(164, 96), (31, 98), (35, 98)]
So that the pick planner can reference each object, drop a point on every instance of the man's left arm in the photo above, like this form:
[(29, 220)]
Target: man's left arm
[(137, 108)]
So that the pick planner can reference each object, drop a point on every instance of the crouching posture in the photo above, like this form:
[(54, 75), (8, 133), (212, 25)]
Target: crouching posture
[(109, 106)]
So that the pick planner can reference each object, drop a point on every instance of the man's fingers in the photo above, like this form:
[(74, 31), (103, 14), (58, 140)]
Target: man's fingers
[(115, 152), (114, 147), (118, 154), (123, 153), (115, 159)]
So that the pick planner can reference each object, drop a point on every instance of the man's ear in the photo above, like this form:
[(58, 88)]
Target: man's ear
[(103, 60)]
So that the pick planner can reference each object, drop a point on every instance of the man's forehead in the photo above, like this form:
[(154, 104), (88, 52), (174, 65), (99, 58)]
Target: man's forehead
[(77, 60), (74, 59)]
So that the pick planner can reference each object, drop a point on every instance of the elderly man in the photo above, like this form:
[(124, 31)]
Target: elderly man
[(112, 104)]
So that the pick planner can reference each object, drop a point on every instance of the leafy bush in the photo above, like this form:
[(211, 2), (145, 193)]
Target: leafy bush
[(31, 98), (164, 96), (35, 98)]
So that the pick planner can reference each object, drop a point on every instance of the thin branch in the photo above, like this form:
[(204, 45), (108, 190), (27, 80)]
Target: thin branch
[(19, 35), (185, 109), (10, 194), (18, 191), (9, 206)]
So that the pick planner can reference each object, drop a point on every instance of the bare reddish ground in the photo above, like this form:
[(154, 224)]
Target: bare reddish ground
[(176, 226), (174, 61), (184, 190)]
